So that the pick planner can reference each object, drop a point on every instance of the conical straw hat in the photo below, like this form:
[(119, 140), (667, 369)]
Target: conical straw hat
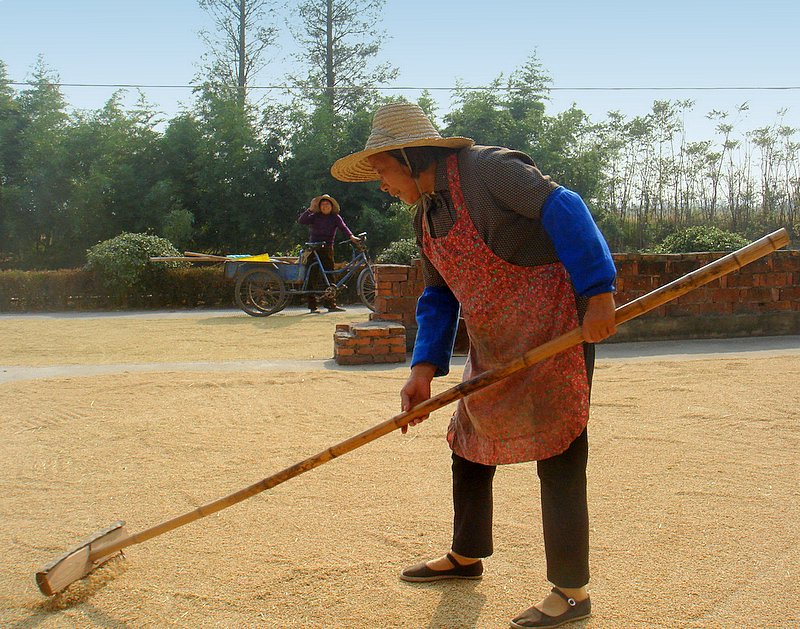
[(314, 205), (395, 126)]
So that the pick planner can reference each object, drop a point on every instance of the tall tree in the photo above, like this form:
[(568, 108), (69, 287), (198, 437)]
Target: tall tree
[(528, 89), (236, 176), (339, 44), (10, 146), (569, 151), (508, 112), (514, 116), (238, 46), (482, 114), (36, 201), (181, 145), (116, 162), (788, 172)]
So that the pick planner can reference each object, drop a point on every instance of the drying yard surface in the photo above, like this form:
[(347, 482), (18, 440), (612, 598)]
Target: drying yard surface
[(694, 484)]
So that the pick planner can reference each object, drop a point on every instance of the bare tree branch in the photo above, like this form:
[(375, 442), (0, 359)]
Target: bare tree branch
[(237, 47), (340, 41)]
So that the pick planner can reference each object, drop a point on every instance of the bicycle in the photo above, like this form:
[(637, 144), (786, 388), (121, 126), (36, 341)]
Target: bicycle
[(264, 288)]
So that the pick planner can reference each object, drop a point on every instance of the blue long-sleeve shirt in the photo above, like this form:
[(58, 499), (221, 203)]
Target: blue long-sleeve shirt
[(579, 243)]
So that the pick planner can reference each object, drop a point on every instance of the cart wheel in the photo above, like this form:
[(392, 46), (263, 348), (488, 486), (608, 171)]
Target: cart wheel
[(260, 292), (366, 288)]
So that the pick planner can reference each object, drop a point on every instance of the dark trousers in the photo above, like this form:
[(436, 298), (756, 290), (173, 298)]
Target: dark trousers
[(565, 515), (315, 280)]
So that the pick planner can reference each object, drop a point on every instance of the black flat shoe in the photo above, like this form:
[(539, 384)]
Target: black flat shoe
[(536, 618), (422, 573)]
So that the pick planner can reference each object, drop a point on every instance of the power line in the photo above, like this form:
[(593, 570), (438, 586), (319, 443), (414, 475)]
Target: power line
[(675, 88)]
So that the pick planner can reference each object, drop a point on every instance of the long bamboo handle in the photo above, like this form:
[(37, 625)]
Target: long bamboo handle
[(646, 303)]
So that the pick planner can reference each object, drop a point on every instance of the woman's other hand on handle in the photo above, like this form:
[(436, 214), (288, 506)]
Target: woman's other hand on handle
[(599, 322)]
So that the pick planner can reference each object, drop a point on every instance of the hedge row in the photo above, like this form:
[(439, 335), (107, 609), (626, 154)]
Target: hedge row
[(77, 289)]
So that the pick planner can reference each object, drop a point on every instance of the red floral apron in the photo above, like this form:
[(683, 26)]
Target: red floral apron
[(537, 412)]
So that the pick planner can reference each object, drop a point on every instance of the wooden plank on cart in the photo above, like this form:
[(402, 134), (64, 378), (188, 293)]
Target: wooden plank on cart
[(211, 256), (187, 259)]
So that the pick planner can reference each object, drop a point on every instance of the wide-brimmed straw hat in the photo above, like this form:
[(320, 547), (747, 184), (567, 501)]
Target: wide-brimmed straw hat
[(395, 126), (314, 207)]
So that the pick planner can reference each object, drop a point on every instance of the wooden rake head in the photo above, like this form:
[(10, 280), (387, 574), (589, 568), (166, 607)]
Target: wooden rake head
[(79, 561)]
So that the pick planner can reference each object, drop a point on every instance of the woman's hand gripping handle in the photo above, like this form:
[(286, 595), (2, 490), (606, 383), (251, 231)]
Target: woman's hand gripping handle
[(416, 390)]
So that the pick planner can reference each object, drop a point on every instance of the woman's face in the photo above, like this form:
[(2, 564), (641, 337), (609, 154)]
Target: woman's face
[(325, 206), (395, 177)]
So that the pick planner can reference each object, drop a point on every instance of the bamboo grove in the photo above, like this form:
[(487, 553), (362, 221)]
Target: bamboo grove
[(232, 171)]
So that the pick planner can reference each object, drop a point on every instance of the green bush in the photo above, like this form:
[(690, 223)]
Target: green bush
[(700, 238), (399, 252), (122, 264)]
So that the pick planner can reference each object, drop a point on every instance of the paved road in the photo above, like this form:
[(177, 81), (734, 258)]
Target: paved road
[(151, 314), (680, 350), (633, 351)]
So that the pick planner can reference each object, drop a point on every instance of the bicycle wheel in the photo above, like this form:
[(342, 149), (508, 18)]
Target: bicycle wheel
[(366, 288), (260, 292)]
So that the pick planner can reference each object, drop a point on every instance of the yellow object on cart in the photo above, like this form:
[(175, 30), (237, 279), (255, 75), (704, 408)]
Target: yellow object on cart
[(262, 257)]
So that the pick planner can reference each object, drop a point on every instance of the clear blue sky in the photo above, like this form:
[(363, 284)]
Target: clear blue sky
[(617, 43)]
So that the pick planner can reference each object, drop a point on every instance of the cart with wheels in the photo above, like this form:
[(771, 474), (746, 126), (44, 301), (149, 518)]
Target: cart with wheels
[(260, 290), (264, 286)]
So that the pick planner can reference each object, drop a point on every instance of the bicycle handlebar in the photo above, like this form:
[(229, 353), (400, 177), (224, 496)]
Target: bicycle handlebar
[(362, 235)]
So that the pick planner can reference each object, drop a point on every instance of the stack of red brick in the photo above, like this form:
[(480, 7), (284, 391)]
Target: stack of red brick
[(369, 342)]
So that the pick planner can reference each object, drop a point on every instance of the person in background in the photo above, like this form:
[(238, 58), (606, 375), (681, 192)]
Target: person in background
[(324, 219), (522, 260)]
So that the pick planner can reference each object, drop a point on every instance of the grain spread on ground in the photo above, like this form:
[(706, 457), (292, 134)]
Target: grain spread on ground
[(693, 484)]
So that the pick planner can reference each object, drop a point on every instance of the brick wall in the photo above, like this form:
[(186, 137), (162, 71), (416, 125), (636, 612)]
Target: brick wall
[(398, 287), (761, 299)]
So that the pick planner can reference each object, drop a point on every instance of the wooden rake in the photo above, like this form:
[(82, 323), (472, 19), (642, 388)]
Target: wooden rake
[(103, 545)]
